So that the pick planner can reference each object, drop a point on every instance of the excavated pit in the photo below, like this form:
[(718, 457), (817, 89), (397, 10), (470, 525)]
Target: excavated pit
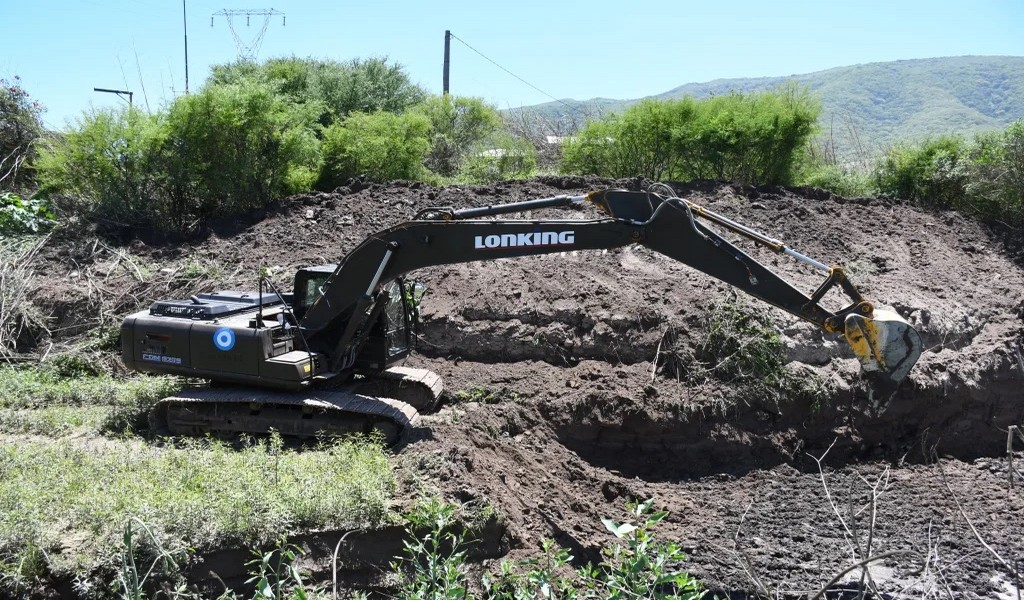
[(560, 419)]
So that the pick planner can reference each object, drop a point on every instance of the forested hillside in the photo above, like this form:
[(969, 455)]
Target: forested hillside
[(871, 106)]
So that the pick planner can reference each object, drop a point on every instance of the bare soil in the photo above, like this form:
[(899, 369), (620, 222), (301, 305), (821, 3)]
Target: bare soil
[(578, 419)]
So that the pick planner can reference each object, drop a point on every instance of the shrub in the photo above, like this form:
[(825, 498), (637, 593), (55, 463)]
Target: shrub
[(503, 157), (222, 151), (233, 148), (753, 138), (458, 124), (930, 173), (340, 88), (20, 128), (382, 146), (105, 168), (637, 142), (995, 182)]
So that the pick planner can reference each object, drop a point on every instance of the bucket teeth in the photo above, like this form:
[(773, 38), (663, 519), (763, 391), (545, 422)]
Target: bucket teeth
[(886, 345)]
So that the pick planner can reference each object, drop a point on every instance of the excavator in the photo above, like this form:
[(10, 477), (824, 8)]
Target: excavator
[(326, 358)]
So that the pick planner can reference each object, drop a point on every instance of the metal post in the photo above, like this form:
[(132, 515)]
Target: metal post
[(119, 93), (447, 57)]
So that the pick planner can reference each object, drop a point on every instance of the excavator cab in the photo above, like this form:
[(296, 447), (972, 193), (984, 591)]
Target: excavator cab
[(391, 337), (391, 334), (309, 285)]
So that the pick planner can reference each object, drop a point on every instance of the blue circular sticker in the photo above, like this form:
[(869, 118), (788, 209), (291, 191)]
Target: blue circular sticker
[(224, 339)]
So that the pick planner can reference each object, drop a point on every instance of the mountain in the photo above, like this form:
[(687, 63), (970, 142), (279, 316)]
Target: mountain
[(874, 105)]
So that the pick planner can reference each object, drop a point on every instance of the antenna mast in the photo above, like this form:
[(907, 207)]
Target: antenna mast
[(247, 49)]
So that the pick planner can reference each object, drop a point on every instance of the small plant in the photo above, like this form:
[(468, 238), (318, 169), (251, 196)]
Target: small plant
[(540, 577), (477, 394), (131, 582), (434, 553), (642, 567), (275, 576), (198, 268), (639, 566), (20, 215)]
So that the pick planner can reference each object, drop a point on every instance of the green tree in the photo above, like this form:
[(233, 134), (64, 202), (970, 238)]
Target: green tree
[(930, 172), (382, 146), (995, 180), (458, 125), (103, 169), (20, 127), (751, 138), (232, 148), (340, 88)]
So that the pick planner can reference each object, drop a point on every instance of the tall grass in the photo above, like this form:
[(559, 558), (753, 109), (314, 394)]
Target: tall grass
[(64, 503)]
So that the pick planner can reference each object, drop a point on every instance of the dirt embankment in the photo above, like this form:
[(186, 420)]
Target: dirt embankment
[(565, 345)]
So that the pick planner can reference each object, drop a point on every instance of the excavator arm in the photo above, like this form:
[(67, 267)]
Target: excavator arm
[(337, 322)]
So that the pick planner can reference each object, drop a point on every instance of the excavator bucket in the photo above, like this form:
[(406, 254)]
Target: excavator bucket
[(886, 345)]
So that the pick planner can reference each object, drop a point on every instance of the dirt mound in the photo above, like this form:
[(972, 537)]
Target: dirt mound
[(567, 413)]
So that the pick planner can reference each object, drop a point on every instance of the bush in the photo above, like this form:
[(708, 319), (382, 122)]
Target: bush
[(457, 125), (20, 128), (105, 168), (382, 146), (839, 180), (995, 182), (233, 148), (339, 88), (637, 142), (504, 157), (930, 173), (753, 138), (222, 151)]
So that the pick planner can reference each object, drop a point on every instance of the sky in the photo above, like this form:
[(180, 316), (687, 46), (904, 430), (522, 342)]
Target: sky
[(62, 49)]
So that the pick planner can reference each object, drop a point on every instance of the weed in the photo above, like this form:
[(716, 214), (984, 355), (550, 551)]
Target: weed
[(35, 387), (638, 566), (198, 268), (131, 584), (742, 348), (54, 421), (736, 345), (200, 494), (477, 394), (641, 567), (275, 576), (17, 315)]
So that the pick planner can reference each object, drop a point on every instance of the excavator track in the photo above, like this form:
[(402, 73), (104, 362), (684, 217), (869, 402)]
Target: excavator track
[(420, 388), (232, 411)]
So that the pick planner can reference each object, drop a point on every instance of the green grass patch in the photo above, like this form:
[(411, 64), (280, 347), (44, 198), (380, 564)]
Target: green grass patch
[(54, 421), (64, 504), (35, 387)]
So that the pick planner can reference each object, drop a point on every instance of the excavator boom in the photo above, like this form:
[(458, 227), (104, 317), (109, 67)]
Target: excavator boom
[(886, 345), (332, 347)]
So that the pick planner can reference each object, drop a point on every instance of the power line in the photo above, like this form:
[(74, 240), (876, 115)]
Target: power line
[(247, 49), (511, 73)]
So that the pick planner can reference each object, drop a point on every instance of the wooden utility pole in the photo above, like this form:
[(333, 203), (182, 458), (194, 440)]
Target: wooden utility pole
[(447, 57), (184, 21)]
